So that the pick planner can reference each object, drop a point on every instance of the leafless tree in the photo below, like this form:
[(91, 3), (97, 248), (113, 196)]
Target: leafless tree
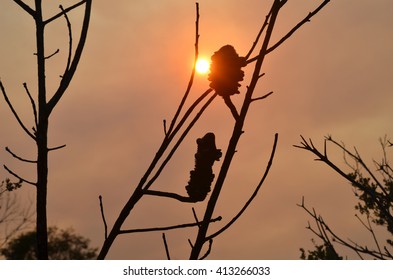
[(226, 73), (44, 103), (374, 191)]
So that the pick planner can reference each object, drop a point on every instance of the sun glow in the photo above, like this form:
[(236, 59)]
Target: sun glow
[(202, 66)]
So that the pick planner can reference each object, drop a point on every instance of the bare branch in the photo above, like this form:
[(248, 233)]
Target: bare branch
[(208, 250), (324, 229), (57, 148), (65, 81), (168, 256), (53, 54), (69, 40), (33, 105), (17, 176), (191, 81), (181, 138), (26, 7), (164, 125), (64, 11), (195, 215), (262, 97), (293, 30), (265, 23), (170, 195), (231, 107), (167, 228), (253, 195), (15, 113), (17, 157), (103, 217)]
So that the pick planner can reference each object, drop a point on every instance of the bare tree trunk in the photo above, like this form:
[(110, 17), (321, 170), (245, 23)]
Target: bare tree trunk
[(41, 139)]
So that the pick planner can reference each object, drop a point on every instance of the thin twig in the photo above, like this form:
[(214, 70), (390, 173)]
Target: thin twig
[(370, 229), (33, 105), (231, 107), (168, 256), (208, 250), (195, 215), (18, 157), (103, 217), (57, 148), (66, 79), (310, 147), (191, 81), (17, 176), (297, 26), (293, 30), (168, 227), (26, 7), (262, 97), (181, 138), (15, 113), (324, 228), (65, 11), (164, 125), (253, 195), (69, 27), (51, 55), (265, 23), (170, 195)]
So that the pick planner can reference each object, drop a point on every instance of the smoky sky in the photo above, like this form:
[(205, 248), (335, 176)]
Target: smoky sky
[(332, 77)]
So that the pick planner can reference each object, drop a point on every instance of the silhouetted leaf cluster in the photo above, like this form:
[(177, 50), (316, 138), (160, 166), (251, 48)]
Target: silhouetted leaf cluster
[(9, 186)]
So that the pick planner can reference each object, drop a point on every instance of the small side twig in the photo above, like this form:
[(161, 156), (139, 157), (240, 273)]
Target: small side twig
[(252, 196), (231, 107), (33, 105), (195, 215), (191, 80), (297, 26), (262, 97), (53, 54), (57, 148), (170, 195), (64, 11), (25, 7), (103, 217), (18, 157), (17, 176), (168, 256), (208, 250), (15, 113), (167, 228), (69, 39)]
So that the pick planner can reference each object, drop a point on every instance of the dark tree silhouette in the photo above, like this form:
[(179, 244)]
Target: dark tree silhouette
[(374, 191), (226, 74), (43, 106), (63, 245)]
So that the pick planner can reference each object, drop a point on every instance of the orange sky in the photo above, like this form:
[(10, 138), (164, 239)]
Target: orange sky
[(332, 77)]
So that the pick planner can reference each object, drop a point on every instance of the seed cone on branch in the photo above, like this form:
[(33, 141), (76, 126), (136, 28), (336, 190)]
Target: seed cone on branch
[(202, 176), (225, 71)]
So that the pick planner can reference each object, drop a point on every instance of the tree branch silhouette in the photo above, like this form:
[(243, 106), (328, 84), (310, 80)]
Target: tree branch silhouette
[(42, 109), (182, 123), (375, 201)]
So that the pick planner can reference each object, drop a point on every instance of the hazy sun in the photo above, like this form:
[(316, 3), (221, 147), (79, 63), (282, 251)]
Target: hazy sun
[(202, 66)]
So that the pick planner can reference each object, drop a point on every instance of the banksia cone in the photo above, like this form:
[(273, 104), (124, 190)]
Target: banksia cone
[(202, 176), (225, 71)]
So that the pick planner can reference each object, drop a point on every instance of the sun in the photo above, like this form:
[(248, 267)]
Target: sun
[(202, 66)]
